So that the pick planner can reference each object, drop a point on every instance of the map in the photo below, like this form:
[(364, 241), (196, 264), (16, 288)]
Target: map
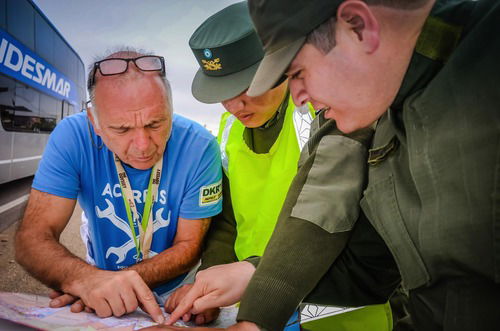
[(33, 310), (312, 312)]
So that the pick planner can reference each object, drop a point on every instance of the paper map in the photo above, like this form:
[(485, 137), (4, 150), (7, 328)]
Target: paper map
[(34, 311), (313, 312)]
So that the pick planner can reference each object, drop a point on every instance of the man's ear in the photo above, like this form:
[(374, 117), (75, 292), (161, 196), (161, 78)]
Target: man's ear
[(357, 18), (96, 127)]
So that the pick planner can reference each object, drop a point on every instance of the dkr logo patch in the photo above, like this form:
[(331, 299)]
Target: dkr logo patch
[(210, 194)]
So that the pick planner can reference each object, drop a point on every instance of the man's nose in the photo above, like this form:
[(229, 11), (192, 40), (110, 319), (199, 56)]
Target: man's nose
[(299, 93), (234, 105), (142, 139)]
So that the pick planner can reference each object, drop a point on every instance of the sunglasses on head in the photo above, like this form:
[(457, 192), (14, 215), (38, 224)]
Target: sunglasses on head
[(117, 66)]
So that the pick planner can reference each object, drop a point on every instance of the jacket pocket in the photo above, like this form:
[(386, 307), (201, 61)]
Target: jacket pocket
[(381, 207)]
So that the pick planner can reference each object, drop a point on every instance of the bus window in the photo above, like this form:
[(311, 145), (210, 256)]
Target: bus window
[(7, 88), (3, 16), (26, 109), (50, 108), (21, 22), (44, 42)]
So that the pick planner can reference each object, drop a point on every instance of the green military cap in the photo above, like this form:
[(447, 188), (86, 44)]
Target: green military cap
[(283, 26), (228, 51)]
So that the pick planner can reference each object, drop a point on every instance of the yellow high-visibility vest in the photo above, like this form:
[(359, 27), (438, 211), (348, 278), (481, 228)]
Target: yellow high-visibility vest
[(259, 182)]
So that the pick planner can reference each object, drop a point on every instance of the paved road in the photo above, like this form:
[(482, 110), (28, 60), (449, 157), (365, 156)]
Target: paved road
[(13, 277)]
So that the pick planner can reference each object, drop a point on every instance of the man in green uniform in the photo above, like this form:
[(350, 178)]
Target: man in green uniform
[(433, 175), (433, 190), (261, 139)]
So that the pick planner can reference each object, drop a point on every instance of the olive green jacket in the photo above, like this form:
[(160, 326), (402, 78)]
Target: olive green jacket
[(434, 174), (433, 183), (320, 212)]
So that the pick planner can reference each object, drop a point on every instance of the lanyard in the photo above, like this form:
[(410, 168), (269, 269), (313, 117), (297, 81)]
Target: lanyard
[(146, 226)]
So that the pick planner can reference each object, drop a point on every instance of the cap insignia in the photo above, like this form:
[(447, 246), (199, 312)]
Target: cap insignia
[(207, 53), (212, 65)]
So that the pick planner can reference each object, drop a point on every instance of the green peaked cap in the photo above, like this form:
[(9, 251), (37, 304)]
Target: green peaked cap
[(228, 51)]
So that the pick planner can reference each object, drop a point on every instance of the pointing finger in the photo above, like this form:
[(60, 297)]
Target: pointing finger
[(186, 304), (148, 301)]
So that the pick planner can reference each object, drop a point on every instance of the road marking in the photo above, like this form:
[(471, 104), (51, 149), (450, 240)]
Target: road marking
[(14, 203)]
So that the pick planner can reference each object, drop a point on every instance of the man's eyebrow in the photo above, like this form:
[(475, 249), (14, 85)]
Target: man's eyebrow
[(122, 126), (158, 120), (291, 69), (125, 126)]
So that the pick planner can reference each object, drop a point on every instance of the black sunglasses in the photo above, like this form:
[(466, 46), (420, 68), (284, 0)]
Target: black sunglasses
[(116, 66)]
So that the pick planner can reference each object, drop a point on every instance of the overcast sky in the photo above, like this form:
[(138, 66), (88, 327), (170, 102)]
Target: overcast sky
[(160, 26)]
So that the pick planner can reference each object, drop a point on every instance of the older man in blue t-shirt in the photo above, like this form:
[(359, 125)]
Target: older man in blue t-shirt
[(147, 180)]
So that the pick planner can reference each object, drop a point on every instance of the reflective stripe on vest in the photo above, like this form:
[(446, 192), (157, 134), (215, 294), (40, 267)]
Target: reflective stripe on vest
[(259, 182)]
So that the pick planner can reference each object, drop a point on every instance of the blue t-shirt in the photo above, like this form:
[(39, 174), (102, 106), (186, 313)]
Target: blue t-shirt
[(190, 187)]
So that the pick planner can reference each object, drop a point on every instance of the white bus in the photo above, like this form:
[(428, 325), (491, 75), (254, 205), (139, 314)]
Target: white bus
[(42, 80)]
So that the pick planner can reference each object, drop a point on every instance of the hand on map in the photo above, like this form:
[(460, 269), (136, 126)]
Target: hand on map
[(203, 317), (218, 286), (115, 293), (60, 299)]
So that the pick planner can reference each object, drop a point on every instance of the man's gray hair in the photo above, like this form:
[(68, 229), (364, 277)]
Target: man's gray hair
[(323, 37), (135, 52)]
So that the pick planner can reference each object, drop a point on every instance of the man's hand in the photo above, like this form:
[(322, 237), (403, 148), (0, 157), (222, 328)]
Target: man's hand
[(218, 286), (115, 293), (60, 299), (203, 317)]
